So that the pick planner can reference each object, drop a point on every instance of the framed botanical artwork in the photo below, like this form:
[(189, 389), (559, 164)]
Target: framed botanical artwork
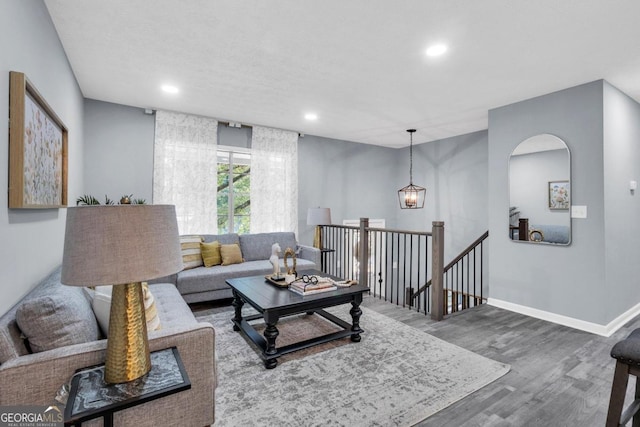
[(37, 149), (559, 195)]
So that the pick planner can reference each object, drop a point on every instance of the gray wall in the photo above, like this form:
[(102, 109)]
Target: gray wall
[(32, 240), (118, 152), (567, 280), (529, 176), (354, 180), (622, 207), (234, 137), (454, 172)]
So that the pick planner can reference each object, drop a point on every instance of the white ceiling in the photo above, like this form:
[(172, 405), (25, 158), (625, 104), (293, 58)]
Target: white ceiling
[(359, 64)]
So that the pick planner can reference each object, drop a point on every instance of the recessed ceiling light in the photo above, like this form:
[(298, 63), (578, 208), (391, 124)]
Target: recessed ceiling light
[(311, 116), (169, 89), (436, 50)]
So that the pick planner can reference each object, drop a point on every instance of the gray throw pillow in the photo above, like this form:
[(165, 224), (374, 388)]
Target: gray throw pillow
[(57, 319)]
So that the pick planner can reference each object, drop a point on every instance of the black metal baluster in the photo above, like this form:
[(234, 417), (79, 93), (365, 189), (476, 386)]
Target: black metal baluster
[(381, 260), (481, 272), (349, 258), (393, 270), (343, 268), (464, 300), (404, 271), (475, 299), (417, 300), (427, 298), (334, 255)]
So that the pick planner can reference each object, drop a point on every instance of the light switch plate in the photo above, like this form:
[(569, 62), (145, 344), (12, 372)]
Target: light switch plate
[(578, 211)]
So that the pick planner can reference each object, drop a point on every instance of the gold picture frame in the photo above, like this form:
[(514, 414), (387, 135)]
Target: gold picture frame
[(37, 149)]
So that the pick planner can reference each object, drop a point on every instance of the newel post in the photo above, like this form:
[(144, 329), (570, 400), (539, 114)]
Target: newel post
[(363, 249), (437, 265)]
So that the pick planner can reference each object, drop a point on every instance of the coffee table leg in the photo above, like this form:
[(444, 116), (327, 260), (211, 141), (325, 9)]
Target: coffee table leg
[(237, 305), (271, 333), (355, 319)]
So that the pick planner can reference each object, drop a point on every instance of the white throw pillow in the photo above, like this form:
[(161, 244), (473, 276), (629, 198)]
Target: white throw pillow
[(101, 305)]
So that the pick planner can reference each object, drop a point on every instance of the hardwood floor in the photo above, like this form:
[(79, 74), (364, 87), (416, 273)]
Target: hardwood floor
[(559, 376)]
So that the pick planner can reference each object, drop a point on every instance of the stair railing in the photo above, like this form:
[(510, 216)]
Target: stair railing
[(460, 288), (390, 262)]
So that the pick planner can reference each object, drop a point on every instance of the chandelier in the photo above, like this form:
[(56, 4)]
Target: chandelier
[(411, 196)]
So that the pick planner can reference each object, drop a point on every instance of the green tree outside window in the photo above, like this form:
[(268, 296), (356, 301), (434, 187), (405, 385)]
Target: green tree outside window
[(234, 184)]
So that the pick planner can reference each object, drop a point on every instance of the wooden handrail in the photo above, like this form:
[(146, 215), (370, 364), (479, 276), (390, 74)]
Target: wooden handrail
[(390, 230), (466, 251), (349, 227), (462, 254), (385, 230)]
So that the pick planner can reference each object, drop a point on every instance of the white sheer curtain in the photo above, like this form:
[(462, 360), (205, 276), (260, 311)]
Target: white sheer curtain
[(274, 180), (185, 168)]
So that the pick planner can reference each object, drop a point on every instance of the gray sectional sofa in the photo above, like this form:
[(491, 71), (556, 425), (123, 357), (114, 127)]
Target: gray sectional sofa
[(69, 339), (58, 322), (208, 283)]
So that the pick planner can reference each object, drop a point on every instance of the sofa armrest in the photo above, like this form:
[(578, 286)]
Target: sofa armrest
[(310, 253), (35, 378)]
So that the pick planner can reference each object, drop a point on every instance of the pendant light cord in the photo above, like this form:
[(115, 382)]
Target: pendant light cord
[(411, 131), (411, 160)]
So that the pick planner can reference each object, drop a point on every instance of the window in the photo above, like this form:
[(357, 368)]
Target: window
[(234, 185)]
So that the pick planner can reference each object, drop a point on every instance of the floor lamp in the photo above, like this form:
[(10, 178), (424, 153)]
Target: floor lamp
[(122, 245), (318, 217)]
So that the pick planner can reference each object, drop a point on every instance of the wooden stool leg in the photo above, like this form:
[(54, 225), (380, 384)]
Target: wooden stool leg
[(618, 391)]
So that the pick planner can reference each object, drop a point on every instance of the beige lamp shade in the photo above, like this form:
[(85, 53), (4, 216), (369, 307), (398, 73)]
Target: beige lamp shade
[(118, 244), (319, 216)]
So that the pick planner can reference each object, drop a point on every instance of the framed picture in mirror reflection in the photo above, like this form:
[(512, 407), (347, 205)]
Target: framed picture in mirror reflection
[(559, 195)]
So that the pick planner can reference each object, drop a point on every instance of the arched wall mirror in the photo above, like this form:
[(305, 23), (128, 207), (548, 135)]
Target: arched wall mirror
[(540, 191)]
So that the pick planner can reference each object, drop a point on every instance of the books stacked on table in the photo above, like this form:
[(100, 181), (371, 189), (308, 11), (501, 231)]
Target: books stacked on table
[(345, 283), (302, 288)]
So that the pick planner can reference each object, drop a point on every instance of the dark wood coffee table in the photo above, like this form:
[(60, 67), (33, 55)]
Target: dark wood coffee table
[(273, 302)]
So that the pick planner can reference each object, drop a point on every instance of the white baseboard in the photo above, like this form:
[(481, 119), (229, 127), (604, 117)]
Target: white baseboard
[(594, 328)]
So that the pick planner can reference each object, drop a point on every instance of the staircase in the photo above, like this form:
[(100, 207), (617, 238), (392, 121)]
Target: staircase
[(463, 280)]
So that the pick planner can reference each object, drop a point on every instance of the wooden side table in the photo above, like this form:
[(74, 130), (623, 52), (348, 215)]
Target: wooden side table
[(90, 397)]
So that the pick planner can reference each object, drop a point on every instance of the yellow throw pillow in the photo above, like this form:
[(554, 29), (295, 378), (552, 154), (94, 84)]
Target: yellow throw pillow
[(191, 255), (211, 253), (231, 254)]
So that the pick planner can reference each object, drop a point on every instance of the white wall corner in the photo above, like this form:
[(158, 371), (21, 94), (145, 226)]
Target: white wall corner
[(594, 328)]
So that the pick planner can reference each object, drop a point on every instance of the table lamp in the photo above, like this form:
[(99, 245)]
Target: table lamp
[(122, 245), (318, 217)]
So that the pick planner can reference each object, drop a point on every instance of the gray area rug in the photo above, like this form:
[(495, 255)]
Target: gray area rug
[(396, 376)]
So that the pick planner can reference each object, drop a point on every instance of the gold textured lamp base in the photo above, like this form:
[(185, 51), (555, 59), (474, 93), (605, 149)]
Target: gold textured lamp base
[(127, 345), (317, 237)]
